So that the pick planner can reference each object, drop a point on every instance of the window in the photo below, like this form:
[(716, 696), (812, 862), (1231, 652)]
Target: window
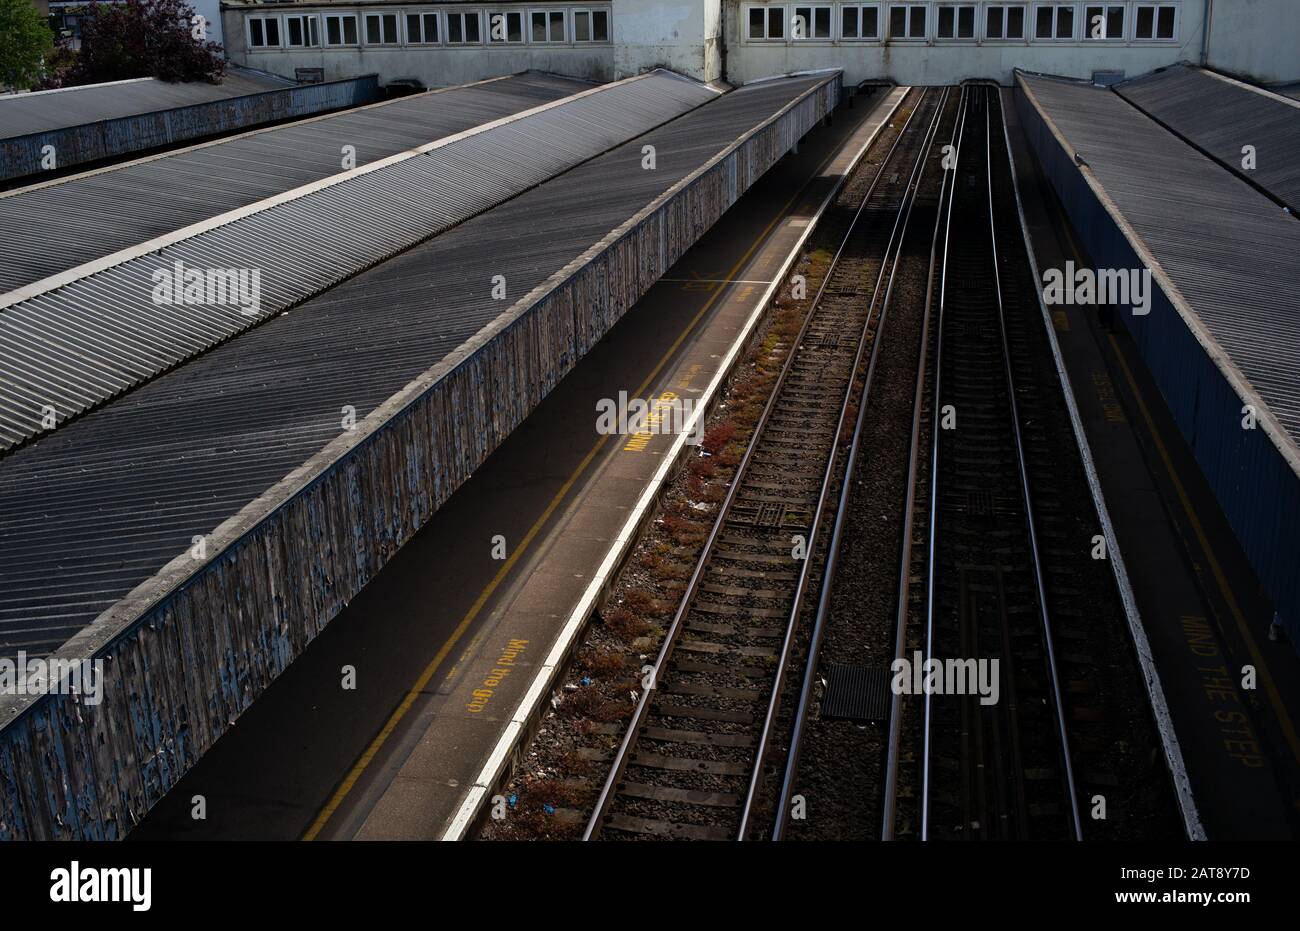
[(1054, 21), (340, 29), (811, 22), (956, 22), (766, 22), (506, 27), (1103, 22), (302, 30), (590, 25), (547, 26), (422, 28), (464, 28), (381, 29), (906, 21), (1155, 21), (264, 32), (1004, 21), (860, 22)]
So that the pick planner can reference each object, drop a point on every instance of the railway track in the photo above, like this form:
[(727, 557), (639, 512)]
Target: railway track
[(997, 765), (690, 763), (971, 493)]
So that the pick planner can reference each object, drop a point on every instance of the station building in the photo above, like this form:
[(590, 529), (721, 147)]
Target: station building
[(438, 44)]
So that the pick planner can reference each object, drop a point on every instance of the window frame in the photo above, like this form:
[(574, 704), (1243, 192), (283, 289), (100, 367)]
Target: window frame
[(1025, 22), (547, 13), (1106, 10), (860, 8), (590, 13), (1056, 9), (888, 27), (311, 33), (956, 22), (343, 33), (262, 19), (767, 10), (524, 23), (366, 16), (462, 17), (812, 9), (1155, 37), (421, 16)]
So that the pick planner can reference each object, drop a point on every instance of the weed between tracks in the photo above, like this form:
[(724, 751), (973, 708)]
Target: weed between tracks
[(551, 794)]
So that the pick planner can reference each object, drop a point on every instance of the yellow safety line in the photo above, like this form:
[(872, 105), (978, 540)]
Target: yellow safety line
[(350, 781)]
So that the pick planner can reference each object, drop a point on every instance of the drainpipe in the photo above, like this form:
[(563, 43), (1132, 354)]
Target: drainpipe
[(1205, 33), (722, 40)]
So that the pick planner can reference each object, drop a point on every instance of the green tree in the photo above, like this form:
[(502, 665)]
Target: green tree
[(25, 40)]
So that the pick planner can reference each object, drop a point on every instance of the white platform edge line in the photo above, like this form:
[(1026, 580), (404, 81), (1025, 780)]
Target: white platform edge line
[(461, 821), (1151, 677)]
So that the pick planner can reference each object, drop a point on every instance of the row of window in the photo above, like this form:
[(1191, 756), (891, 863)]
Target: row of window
[(426, 27), (1052, 22)]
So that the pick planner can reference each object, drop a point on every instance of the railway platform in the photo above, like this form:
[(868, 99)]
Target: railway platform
[(1201, 606), (406, 756)]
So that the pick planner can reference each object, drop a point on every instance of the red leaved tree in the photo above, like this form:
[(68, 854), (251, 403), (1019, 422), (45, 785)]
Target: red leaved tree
[(144, 39)]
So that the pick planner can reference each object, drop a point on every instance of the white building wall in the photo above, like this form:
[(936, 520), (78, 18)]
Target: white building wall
[(682, 35), (1255, 38), (211, 11), (1259, 39)]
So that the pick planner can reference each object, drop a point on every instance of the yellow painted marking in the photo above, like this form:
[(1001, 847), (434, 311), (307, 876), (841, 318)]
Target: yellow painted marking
[(505, 663), (354, 774), (1274, 697), (1106, 396)]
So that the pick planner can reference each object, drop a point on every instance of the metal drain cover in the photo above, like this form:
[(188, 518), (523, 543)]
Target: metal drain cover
[(856, 693)]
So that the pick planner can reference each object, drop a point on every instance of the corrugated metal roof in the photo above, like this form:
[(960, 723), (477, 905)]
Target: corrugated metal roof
[(45, 227), (1220, 116), (82, 343), (43, 111), (97, 507), (1232, 254)]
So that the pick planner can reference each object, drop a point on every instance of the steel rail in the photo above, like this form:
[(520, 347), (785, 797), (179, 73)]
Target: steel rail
[(1050, 660), (895, 247), (934, 522), (623, 753), (832, 559), (1043, 615), (894, 740)]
